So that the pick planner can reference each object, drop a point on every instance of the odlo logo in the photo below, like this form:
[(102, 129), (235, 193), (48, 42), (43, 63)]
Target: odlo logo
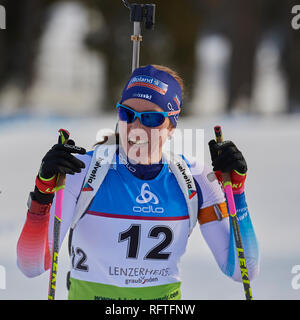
[(145, 197)]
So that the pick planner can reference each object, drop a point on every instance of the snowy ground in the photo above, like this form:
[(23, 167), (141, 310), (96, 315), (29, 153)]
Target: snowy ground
[(271, 149)]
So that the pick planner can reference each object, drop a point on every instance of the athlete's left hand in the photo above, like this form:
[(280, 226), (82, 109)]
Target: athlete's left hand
[(226, 157)]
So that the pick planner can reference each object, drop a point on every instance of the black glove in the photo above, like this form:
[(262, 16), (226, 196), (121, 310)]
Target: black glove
[(57, 160), (60, 160), (226, 157)]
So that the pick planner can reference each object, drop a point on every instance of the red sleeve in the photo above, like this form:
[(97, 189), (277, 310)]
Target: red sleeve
[(33, 256)]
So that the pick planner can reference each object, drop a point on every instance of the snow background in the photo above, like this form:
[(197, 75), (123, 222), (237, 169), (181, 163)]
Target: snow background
[(268, 138), (272, 194)]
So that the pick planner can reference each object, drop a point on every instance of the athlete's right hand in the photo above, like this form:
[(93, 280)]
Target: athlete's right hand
[(58, 160)]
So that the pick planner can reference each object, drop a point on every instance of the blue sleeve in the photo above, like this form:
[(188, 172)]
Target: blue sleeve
[(249, 241)]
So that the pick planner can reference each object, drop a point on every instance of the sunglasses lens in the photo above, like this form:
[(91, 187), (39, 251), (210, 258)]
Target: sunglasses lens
[(126, 115), (152, 119), (148, 119)]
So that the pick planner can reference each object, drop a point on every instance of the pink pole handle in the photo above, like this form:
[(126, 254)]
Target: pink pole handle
[(230, 199)]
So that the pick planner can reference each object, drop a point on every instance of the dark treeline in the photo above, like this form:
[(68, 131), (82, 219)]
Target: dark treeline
[(179, 24)]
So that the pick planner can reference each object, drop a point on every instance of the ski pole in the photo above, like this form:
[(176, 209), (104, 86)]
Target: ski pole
[(227, 184), (60, 185)]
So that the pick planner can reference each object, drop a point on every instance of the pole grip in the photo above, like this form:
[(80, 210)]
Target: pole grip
[(62, 139), (219, 138)]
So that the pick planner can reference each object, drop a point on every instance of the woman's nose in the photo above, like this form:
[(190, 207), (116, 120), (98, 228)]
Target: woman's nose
[(136, 123), (138, 128)]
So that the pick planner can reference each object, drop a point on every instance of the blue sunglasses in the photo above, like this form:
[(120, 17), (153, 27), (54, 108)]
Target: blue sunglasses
[(148, 118)]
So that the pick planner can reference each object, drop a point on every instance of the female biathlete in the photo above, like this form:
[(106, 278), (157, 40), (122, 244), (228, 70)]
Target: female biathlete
[(131, 208)]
